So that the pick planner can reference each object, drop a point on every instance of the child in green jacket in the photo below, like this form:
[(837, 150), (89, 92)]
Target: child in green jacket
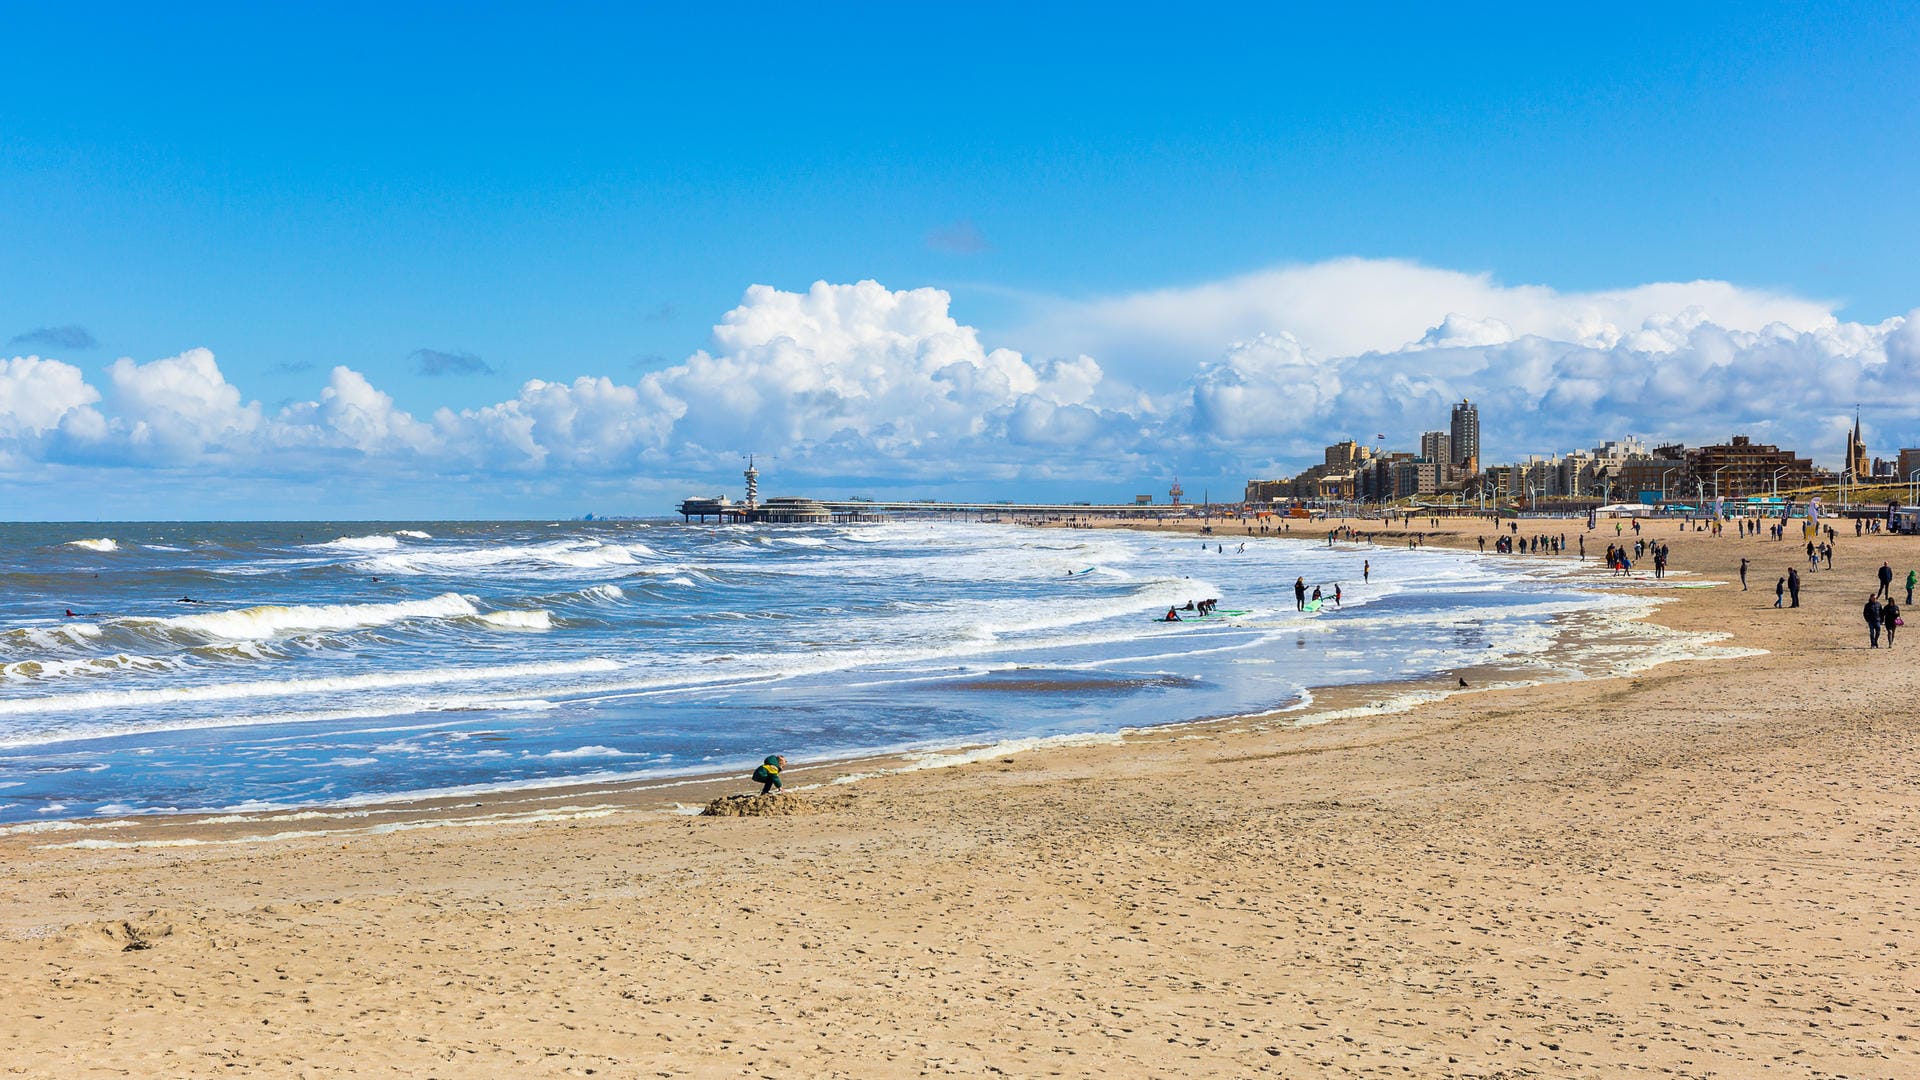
[(768, 774)]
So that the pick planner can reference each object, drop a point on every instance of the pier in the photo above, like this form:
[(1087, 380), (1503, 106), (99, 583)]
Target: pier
[(791, 511), (795, 510)]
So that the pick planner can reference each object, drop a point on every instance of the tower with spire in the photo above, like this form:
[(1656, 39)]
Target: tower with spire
[(1176, 491), (753, 484), (1858, 469)]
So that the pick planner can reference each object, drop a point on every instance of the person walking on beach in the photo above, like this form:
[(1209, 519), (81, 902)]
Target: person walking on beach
[(1743, 575), (1872, 614), (1793, 585), (1889, 618), (1300, 594), (1779, 591), (1886, 581), (1913, 579)]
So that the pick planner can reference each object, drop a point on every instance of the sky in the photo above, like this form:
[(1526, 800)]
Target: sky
[(304, 261)]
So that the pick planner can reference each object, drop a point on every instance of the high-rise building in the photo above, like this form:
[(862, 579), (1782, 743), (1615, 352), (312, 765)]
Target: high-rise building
[(1465, 435), (1437, 447)]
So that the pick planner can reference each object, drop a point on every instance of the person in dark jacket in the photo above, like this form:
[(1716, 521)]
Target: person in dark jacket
[(1793, 586), (1886, 582), (1779, 592), (1872, 614), (768, 774), (1300, 594), (1889, 618)]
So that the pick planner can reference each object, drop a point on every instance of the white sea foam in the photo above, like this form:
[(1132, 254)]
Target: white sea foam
[(49, 638), (413, 534), (519, 620), (267, 688), (586, 752), (275, 620), (60, 826), (101, 544), (548, 555), (40, 670), (382, 542)]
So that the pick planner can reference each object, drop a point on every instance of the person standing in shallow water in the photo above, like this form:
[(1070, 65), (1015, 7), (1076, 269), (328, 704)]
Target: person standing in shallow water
[(1300, 594)]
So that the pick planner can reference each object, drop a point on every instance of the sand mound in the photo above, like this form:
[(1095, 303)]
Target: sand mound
[(778, 805), (126, 935)]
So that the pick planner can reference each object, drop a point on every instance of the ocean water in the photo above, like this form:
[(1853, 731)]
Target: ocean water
[(345, 663)]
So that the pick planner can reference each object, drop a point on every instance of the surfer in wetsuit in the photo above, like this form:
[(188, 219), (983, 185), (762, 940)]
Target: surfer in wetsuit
[(1173, 615), (1300, 594)]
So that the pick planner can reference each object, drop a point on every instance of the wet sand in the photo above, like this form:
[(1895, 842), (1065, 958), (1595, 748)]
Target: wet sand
[(1703, 869)]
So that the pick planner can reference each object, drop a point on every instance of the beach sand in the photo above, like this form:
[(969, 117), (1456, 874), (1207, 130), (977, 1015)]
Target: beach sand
[(1707, 868)]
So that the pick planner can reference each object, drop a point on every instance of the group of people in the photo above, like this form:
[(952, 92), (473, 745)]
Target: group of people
[(1301, 599), (1199, 609), (1880, 617), (1529, 545)]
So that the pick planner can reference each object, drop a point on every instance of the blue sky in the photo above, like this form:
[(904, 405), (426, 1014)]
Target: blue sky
[(453, 200)]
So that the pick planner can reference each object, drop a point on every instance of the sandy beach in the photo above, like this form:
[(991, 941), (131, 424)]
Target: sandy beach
[(1707, 868)]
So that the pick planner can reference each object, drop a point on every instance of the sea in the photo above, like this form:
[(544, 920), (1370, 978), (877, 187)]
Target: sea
[(195, 667)]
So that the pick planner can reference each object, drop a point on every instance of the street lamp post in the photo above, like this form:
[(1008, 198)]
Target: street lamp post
[(1663, 483), (1913, 478), (1774, 481), (1716, 479)]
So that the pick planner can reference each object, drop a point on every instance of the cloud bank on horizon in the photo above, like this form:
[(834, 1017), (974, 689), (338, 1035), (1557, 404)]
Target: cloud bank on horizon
[(1251, 376)]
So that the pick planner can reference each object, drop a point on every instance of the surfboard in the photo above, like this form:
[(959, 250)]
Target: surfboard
[(1314, 606)]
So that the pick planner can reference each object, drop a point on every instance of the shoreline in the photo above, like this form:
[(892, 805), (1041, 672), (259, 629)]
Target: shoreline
[(482, 804), (1701, 869)]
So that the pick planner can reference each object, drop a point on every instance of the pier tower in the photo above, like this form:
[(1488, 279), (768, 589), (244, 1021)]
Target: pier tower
[(753, 484), (1176, 491)]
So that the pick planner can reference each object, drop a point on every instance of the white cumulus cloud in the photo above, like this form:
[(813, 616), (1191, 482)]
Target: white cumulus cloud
[(1343, 307), (1245, 376)]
